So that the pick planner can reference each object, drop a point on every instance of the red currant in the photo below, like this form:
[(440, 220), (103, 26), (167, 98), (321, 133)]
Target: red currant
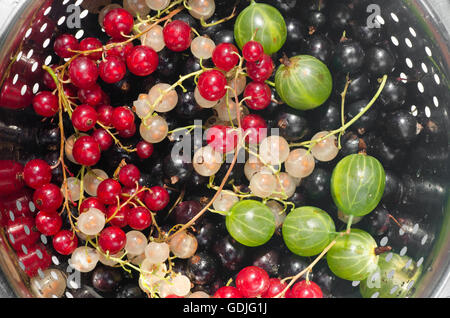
[(112, 239), (48, 223), (129, 132), (86, 151), (131, 192), (83, 72), (157, 198), (105, 99), (103, 138), (121, 51), (256, 128), (212, 85), (22, 232), (306, 289), (64, 43), (48, 197), (84, 117), (144, 149), (92, 202), (89, 44), (117, 23), (105, 114), (252, 51), (120, 217), (45, 104), (36, 173), (108, 191), (65, 242), (225, 56), (275, 287), (252, 281), (48, 80), (177, 36), (36, 258), (112, 69), (222, 138), (129, 175), (228, 292), (122, 118), (261, 70), (142, 60), (92, 96), (259, 95), (70, 90), (139, 218)]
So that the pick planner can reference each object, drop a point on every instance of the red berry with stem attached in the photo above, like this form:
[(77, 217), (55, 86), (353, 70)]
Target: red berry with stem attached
[(228, 292), (222, 138), (89, 44), (84, 117), (86, 151), (21, 232), (256, 128), (108, 191), (48, 223), (112, 69), (259, 95), (225, 56), (129, 175), (275, 288), (306, 289), (117, 23), (134, 192), (144, 149), (252, 281), (142, 60), (212, 85), (64, 43), (92, 202), (252, 51), (105, 115), (103, 138), (36, 173), (177, 36), (92, 96), (45, 104), (112, 239), (121, 51), (83, 72), (261, 70), (36, 258), (122, 118), (48, 197), (157, 198), (65, 242), (139, 218), (120, 217)]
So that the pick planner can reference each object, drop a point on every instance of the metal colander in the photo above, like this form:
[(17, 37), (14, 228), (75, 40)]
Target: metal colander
[(421, 41)]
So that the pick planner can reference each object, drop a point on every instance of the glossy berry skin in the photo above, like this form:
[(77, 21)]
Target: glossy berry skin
[(256, 127), (122, 118), (105, 114), (84, 117), (379, 61), (64, 43), (252, 281), (261, 70), (129, 175), (121, 51), (228, 292), (144, 149), (120, 217), (177, 36), (212, 85), (36, 173), (157, 198), (48, 197), (129, 132), (45, 104), (48, 223), (139, 218), (89, 44), (65, 242), (222, 138), (83, 72), (348, 57), (112, 69), (305, 289), (117, 22), (112, 239), (252, 51), (259, 95), (21, 232), (103, 139), (142, 60), (86, 151), (108, 191), (224, 56), (401, 128), (92, 96), (92, 202), (275, 287)]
